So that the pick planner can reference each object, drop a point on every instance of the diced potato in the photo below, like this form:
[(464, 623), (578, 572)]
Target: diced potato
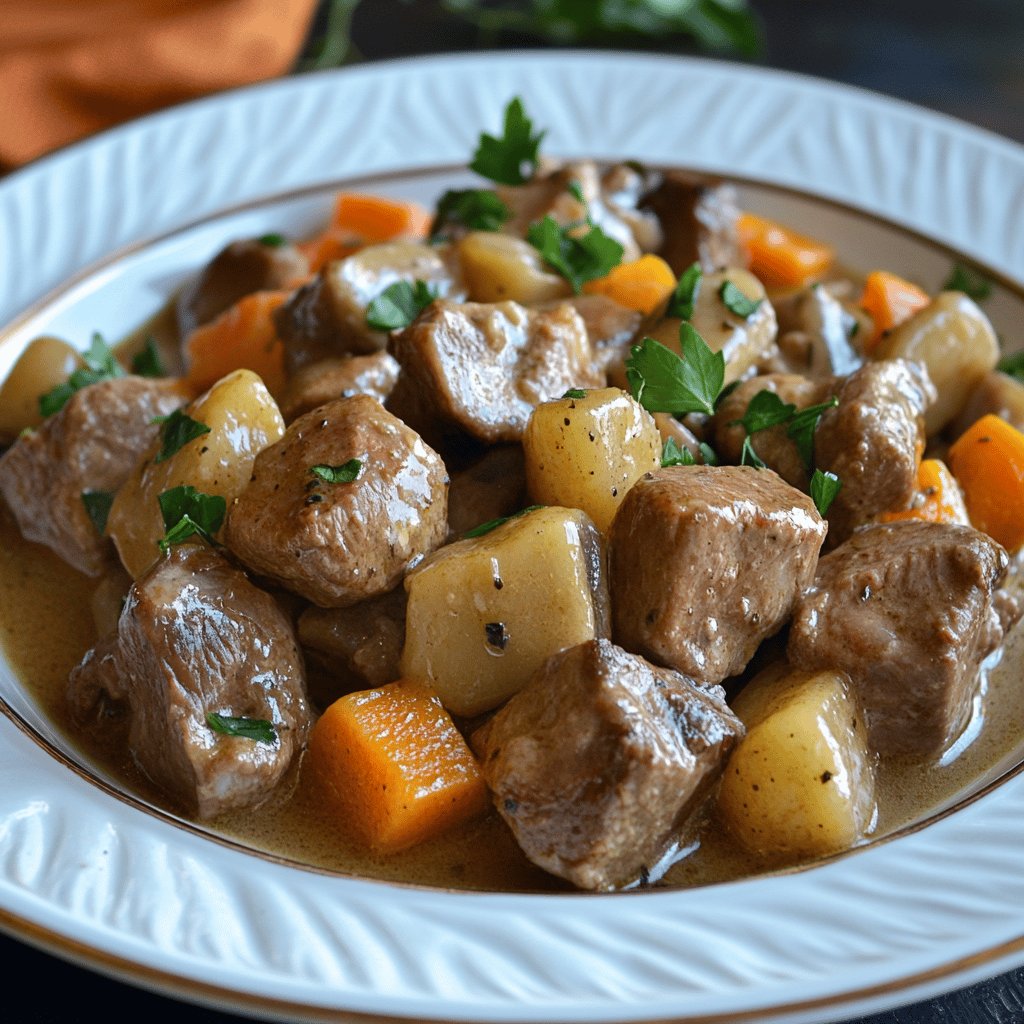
[(953, 339), (744, 341), (501, 268), (802, 782), (243, 420), (44, 364), (484, 613), (392, 766), (587, 452)]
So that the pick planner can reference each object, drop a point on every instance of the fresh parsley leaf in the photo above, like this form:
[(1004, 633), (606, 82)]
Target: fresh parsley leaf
[(803, 425), (512, 159), (575, 189), (178, 430), (748, 457), (685, 296), (661, 381), (736, 302), (399, 304), (97, 506), (765, 410), (273, 240), (248, 728), (575, 393), (1013, 365), (343, 474), (578, 258), (673, 455), (824, 488), (708, 454), (969, 281), (147, 362), (493, 524), (100, 364), (187, 512), (473, 208)]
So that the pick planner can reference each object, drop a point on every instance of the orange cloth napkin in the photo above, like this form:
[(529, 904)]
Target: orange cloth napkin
[(71, 67)]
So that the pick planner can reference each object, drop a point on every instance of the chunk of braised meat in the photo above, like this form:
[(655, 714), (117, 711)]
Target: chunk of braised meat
[(698, 222), (197, 638), (773, 446), (873, 442), (91, 445), (908, 611), (338, 543), (326, 318), (309, 386), (707, 562), (611, 328), (239, 269), (999, 394), (493, 487), (599, 763), (816, 334), (479, 368), (355, 648)]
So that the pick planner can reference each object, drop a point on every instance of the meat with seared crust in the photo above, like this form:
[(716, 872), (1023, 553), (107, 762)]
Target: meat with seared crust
[(312, 385)]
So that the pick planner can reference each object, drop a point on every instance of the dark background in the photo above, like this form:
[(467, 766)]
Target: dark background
[(963, 58)]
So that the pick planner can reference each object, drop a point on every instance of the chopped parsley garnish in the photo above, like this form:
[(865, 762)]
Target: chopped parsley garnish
[(147, 362), (187, 512), (673, 455), (399, 304), (575, 393), (100, 364), (767, 410), (273, 240), (577, 257), (708, 454), (512, 159), (1013, 365), (97, 506), (736, 302), (575, 189), (685, 296), (343, 474), (969, 281), (493, 524), (661, 381), (473, 208), (178, 430), (824, 488), (803, 425), (258, 729)]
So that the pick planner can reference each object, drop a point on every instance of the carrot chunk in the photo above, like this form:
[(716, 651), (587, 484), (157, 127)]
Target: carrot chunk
[(392, 765), (937, 497), (642, 284), (778, 256), (243, 337), (372, 219), (889, 300), (327, 247), (988, 460)]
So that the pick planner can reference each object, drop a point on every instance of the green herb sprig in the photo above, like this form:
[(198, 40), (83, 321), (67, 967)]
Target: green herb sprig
[(736, 302), (147, 361), (258, 729), (177, 430), (577, 257), (343, 474), (97, 506), (187, 512), (493, 524), (684, 298), (399, 304), (511, 159), (971, 282), (474, 209), (100, 364), (662, 381), (824, 488)]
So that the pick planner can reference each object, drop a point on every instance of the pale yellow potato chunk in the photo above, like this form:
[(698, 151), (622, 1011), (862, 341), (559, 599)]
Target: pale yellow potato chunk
[(243, 420), (587, 452), (486, 612), (45, 363), (954, 341), (744, 341), (501, 268), (801, 783)]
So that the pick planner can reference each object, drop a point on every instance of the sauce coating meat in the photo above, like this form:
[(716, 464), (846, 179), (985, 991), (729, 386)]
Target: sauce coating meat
[(592, 526)]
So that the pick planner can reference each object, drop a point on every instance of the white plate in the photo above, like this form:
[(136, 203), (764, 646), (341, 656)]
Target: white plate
[(97, 877)]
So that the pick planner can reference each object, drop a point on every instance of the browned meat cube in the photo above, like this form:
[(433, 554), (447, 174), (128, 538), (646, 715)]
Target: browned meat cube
[(873, 442), (611, 328), (338, 543), (481, 368), (92, 444), (698, 219), (599, 762), (239, 269), (197, 638), (491, 488), (374, 374), (708, 561), (906, 610), (815, 333)]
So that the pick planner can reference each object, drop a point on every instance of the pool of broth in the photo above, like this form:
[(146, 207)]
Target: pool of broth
[(46, 626)]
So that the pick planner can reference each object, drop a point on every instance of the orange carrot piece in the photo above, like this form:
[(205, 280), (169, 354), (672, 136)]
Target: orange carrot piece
[(988, 460), (327, 247), (391, 764), (642, 284), (778, 256), (937, 497), (889, 300), (242, 337), (374, 219)]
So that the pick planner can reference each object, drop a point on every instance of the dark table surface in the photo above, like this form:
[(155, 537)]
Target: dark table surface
[(964, 59)]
